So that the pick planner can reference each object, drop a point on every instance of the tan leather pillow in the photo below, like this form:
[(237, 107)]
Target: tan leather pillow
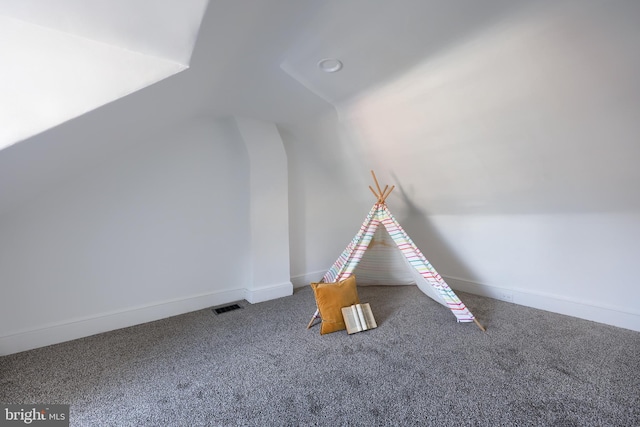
[(330, 298)]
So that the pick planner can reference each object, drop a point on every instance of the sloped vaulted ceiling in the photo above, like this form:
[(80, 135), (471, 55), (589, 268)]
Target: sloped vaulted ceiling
[(543, 93), (61, 59)]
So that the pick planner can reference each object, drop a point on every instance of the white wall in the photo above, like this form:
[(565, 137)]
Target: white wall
[(576, 264), (269, 211), (326, 199), (152, 232), (514, 155)]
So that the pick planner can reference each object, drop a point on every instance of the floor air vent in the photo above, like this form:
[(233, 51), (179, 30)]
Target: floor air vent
[(231, 307)]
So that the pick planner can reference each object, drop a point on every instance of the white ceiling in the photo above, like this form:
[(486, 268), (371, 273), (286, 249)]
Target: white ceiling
[(252, 58), (378, 39), (161, 28), (60, 59), (256, 59), (259, 59)]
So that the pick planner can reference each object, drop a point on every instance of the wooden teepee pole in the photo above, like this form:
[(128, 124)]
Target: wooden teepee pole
[(386, 193), (313, 319), (479, 325), (381, 194), (374, 192), (376, 181)]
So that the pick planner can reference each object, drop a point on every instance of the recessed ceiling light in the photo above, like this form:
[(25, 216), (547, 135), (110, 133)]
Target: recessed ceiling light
[(330, 65)]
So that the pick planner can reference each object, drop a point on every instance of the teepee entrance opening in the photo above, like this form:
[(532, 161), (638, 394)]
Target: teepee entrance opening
[(383, 264)]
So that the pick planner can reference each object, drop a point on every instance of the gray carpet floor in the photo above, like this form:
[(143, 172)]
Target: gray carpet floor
[(260, 366)]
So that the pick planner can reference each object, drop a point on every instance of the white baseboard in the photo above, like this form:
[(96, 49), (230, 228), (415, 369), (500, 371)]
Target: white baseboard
[(554, 303), (270, 292), (84, 327), (304, 279)]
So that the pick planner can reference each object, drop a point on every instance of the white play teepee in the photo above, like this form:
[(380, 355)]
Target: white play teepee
[(387, 255)]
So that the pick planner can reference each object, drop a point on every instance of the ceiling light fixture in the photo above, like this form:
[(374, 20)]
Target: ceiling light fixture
[(330, 65)]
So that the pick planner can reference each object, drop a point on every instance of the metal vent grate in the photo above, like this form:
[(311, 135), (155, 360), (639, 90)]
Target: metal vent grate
[(231, 307)]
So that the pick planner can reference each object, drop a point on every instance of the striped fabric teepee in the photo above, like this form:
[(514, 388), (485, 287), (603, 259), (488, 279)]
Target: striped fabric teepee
[(381, 249)]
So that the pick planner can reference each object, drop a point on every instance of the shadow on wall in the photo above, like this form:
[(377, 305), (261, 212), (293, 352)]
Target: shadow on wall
[(438, 252), (297, 209), (318, 185)]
